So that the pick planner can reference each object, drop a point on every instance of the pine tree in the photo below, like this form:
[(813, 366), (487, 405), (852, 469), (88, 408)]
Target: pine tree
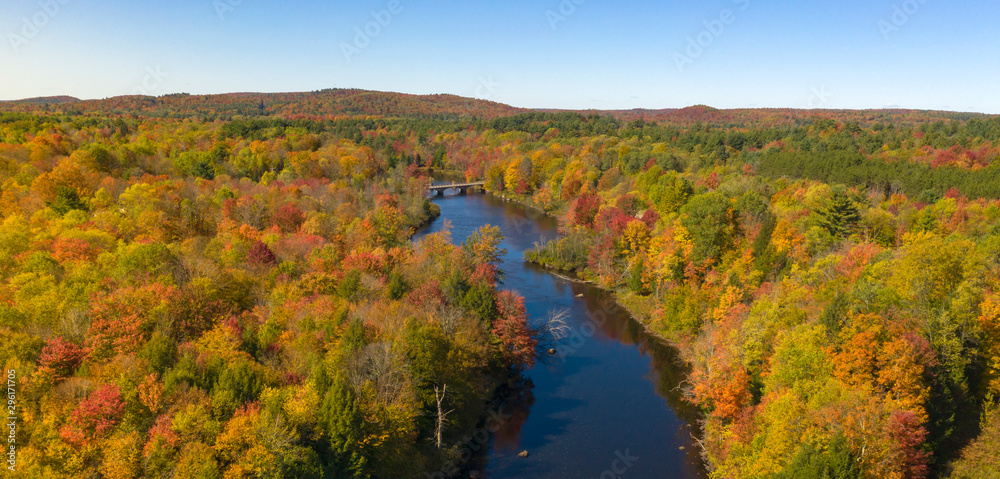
[(840, 215), (345, 426)]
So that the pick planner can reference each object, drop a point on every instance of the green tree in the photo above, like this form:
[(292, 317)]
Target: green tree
[(67, 199), (840, 214), (345, 428), (709, 219), (830, 461)]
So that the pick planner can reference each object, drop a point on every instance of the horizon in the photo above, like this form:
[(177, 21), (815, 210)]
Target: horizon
[(165, 95), (562, 54)]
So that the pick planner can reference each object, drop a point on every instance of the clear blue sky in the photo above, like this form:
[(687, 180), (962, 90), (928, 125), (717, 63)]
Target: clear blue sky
[(603, 54)]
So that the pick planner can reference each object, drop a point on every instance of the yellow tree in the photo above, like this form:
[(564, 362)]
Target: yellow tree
[(989, 322)]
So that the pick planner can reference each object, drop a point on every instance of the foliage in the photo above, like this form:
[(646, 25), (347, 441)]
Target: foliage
[(224, 286)]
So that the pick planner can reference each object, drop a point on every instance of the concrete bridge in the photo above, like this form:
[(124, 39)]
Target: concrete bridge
[(462, 188)]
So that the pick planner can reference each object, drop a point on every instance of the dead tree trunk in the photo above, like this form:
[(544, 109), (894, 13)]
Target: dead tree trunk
[(441, 414)]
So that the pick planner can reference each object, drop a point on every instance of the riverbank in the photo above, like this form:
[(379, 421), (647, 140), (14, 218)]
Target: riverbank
[(616, 387), (563, 274), (523, 204), (640, 318)]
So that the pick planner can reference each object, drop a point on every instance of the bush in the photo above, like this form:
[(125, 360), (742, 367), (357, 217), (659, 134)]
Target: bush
[(834, 461)]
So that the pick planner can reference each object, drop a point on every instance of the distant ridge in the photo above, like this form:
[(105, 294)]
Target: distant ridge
[(340, 103), (44, 99), (321, 104)]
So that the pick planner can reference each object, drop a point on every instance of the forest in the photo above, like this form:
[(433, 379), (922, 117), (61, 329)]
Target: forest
[(225, 286)]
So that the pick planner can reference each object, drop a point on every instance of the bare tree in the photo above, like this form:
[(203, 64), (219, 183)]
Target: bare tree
[(554, 329), (439, 394), (381, 368), (449, 318)]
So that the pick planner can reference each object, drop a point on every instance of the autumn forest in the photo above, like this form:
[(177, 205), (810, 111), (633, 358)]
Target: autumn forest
[(227, 286)]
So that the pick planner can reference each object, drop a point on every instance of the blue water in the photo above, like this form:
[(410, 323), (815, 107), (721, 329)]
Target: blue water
[(605, 406)]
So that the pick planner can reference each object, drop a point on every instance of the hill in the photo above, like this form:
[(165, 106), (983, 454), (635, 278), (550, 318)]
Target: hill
[(43, 100), (325, 104), (338, 103)]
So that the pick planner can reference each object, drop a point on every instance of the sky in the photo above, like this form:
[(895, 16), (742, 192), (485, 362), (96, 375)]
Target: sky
[(573, 54)]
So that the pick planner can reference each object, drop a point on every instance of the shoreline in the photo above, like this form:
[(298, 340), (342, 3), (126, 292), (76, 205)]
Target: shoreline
[(522, 203), (561, 274), (695, 423)]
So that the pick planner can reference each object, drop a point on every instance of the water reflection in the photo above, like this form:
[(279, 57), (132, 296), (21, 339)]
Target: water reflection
[(611, 391)]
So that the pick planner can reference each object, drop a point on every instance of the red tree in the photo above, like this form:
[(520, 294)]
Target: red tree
[(122, 320), (910, 434), (61, 357), (95, 416), (511, 328), (289, 218), (585, 210), (260, 255)]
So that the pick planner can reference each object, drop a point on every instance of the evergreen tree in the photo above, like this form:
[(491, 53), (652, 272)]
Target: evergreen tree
[(835, 461), (345, 427), (840, 215)]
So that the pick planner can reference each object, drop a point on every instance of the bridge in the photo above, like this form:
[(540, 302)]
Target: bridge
[(462, 188)]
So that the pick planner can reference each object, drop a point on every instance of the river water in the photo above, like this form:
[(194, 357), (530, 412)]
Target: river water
[(608, 404)]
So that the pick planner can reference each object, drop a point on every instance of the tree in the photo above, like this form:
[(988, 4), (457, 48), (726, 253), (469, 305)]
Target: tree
[(585, 209), (288, 218), (979, 459), (259, 443), (95, 416), (439, 395), (261, 255), (122, 321), (709, 218), (840, 214), (61, 358), (66, 200), (344, 426), (397, 287), (197, 460), (480, 299), (833, 460), (517, 340), (482, 248), (122, 455), (908, 431)]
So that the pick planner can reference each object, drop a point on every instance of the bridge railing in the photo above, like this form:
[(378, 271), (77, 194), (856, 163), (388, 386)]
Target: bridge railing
[(462, 187)]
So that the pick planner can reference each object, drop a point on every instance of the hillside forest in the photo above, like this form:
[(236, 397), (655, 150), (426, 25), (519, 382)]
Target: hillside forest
[(226, 286)]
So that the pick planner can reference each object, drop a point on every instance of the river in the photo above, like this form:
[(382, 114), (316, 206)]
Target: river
[(607, 405)]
